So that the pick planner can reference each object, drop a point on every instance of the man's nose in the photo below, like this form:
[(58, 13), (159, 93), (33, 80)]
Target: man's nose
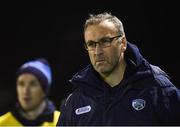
[(26, 89), (98, 49)]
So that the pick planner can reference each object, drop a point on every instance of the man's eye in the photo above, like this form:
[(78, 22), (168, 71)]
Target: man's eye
[(106, 40), (20, 83), (33, 83), (90, 44)]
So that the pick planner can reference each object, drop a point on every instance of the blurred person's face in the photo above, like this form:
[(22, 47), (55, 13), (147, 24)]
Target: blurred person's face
[(29, 91), (104, 59)]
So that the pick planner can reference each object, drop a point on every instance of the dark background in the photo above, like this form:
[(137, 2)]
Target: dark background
[(54, 30)]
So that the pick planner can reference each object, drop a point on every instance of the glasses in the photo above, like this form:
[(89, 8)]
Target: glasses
[(103, 43)]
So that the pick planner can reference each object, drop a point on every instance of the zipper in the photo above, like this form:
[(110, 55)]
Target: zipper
[(111, 101)]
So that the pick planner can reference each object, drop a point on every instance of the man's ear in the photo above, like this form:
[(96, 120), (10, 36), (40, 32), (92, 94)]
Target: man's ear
[(123, 44), (123, 49)]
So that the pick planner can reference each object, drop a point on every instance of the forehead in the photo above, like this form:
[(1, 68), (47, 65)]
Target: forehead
[(27, 77), (105, 28)]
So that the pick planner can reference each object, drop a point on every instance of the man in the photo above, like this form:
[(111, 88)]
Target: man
[(120, 87), (33, 107)]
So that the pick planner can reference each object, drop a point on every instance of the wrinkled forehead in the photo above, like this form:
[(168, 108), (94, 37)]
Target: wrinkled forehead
[(100, 30)]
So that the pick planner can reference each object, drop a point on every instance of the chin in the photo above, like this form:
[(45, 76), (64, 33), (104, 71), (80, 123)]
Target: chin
[(26, 107), (103, 70), (29, 109)]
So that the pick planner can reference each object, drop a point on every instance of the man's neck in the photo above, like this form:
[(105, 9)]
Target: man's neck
[(33, 114)]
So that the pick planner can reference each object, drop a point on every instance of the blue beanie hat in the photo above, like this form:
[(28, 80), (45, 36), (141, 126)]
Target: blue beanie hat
[(39, 68)]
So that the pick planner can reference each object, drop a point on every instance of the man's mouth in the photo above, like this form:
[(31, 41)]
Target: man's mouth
[(100, 61), (26, 99)]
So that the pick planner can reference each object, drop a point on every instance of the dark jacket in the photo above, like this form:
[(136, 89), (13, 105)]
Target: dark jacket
[(145, 96)]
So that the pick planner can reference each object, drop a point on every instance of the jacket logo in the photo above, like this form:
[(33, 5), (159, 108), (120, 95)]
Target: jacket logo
[(138, 104), (83, 110)]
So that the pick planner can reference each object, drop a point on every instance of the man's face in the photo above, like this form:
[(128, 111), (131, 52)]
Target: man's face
[(29, 91), (104, 60)]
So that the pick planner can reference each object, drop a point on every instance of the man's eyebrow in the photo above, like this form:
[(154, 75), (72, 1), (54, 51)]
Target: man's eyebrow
[(90, 41)]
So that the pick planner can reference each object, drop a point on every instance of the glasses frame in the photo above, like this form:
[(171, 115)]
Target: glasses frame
[(100, 43)]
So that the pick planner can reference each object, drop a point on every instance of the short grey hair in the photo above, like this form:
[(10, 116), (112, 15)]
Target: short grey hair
[(98, 18)]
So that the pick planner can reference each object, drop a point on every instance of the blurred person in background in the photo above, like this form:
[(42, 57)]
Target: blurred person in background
[(34, 79)]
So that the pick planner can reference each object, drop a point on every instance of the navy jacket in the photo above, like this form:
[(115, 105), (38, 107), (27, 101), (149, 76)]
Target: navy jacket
[(145, 96)]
